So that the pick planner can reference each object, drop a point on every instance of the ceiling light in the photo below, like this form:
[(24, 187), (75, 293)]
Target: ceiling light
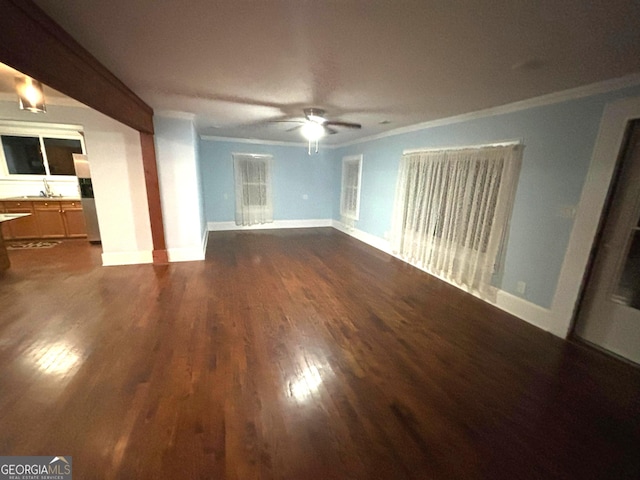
[(313, 132), (30, 94)]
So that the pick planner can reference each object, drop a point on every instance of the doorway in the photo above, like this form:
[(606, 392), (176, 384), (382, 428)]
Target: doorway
[(609, 313)]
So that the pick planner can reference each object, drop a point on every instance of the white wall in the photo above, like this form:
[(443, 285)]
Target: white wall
[(115, 157), (180, 187)]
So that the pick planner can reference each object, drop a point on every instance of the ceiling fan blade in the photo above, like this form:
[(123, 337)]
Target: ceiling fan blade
[(329, 130), (293, 129), (343, 124)]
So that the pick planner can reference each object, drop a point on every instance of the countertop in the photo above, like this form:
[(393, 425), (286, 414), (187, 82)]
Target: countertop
[(36, 198), (5, 217)]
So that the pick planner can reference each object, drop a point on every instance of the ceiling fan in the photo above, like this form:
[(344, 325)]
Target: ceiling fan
[(315, 126)]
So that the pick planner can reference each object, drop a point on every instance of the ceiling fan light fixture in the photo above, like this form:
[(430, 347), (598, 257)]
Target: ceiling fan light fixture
[(30, 94), (315, 115), (312, 131)]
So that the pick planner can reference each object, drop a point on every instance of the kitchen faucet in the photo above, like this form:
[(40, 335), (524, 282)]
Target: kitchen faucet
[(47, 188)]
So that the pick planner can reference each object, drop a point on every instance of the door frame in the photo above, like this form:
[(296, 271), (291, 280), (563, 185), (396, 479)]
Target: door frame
[(603, 235), (595, 193)]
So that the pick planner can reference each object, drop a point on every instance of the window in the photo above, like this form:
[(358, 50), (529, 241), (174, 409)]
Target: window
[(253, 189), (59, 152), (452, 209), (350, 192), (27, 151), (22, 155)]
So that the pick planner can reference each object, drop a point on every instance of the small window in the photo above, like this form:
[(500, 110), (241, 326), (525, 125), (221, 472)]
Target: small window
[(60, 155), (350, 193), (253, 189), (23, 155)]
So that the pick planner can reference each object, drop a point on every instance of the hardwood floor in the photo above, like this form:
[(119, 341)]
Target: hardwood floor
[(296, 354)]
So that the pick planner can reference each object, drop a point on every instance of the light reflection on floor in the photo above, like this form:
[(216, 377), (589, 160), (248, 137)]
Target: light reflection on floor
[(307, 383), (60, 358)]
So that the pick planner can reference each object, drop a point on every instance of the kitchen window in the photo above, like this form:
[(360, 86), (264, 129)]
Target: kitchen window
[(28, 152)]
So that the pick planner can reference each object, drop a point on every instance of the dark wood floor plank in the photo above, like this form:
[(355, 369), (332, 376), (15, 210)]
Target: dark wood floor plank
[(290, 355)]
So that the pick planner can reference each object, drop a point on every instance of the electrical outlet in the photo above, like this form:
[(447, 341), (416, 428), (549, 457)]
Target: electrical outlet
[(225, 196), (521, 287), (305, 197)]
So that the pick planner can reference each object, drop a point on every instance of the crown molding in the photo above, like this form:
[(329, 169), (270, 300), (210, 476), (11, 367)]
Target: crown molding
[(252, 141), (543, 100), (175, 114)]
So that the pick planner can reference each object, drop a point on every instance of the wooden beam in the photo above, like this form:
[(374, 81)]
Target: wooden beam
[(34, 44), (31, 42), (150, 165)]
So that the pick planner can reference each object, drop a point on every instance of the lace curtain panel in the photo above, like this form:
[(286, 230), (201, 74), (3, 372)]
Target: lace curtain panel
[(451, 210), (253, 189), (350, 195)]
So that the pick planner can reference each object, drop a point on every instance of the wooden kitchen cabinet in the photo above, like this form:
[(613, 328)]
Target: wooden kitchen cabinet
[(73, 218), (21, 228), (4, 226), (49, 219)]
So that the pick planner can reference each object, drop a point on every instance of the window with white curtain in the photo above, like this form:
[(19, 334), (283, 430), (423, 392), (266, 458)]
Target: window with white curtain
[(350, 192), (452, 209), (253, 188)]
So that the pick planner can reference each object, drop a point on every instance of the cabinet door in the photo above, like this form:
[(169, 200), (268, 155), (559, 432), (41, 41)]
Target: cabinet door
[(49, 218), (5, 230), (73, 219), (25, 227)]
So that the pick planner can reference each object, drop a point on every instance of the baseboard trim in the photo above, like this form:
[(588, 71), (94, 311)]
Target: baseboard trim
[(518, 307), (188, 254), (365, 237), (110, 259), (205, 241), (277, 224)]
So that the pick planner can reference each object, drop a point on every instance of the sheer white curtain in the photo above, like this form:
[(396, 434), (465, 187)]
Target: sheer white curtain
[(451, 210), (253, 189)]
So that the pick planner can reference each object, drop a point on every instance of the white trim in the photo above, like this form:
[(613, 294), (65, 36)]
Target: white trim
[(188, 254), (174, 114), (549, 99), (40, 128), (127, 258), (369, 239), (205, 242), (527, 311), (592, 201), (516, 306), (252, 141), (266, 156), (277, 224), (466, 147)]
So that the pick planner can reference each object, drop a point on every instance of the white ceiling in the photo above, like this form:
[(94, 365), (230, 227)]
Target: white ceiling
[(236, 64)]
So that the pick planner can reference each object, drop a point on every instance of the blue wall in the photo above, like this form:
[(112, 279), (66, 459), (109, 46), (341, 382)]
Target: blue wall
[(559, 141), (295, 174)]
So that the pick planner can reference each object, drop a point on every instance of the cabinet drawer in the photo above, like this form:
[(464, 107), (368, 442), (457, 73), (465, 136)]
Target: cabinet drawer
[(75, 204), (22, 206), (46, 205)]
